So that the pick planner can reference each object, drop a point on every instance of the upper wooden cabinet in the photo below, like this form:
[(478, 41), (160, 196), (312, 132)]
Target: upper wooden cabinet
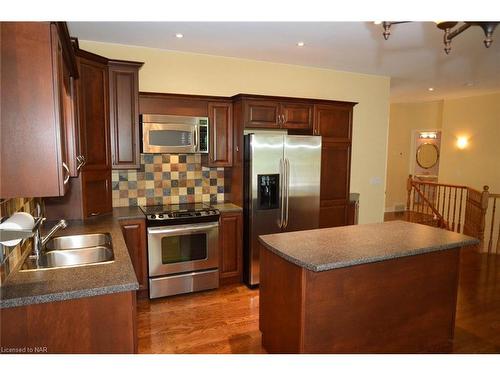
[(333, 121), (124, 114), (276, 114), (36, 116), (221, 134), (296, 116), (261, 113), (93, 106), (93, 117)]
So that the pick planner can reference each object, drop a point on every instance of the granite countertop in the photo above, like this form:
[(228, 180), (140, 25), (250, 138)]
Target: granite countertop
[(226, 207), (325, 249), (30, 287)]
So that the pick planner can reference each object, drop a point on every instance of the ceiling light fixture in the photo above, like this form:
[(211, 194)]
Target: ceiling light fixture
[(179, 35), (450, 31), (300, 44), (431, 89)]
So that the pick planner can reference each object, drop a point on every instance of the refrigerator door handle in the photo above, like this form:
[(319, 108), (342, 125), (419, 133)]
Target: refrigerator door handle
[(282, 193), (287, 189)]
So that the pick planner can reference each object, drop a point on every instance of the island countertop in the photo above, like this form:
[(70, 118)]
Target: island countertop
[(330, 248)]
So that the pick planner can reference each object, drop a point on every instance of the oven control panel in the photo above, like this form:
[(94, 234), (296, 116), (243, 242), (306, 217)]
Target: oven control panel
[(182, 215)]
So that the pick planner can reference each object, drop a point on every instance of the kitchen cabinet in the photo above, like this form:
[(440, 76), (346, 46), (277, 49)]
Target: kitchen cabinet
[(124, 113), (93, 117), (37, 69), (271, 114), (93, 98), (134, 233), (334, 123), (101, 324), (261, 114), (96, 192), (231, 247), (297, 116), (220, 134)]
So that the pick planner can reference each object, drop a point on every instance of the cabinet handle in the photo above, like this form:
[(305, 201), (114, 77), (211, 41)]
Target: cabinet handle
[(237, 149), (94, 213), (66, 179), (81, 162)]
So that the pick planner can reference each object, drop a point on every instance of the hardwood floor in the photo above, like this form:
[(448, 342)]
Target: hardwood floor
[(227, 320)]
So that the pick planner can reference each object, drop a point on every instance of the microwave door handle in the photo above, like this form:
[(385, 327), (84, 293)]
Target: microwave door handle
[(195, 138)]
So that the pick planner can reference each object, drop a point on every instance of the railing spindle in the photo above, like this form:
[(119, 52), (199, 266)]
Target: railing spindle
[(454, 208), (490, 242), (439, 192), (460, 210), (449, 205)]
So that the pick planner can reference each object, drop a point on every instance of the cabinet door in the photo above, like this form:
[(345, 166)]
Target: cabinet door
[(124, 114), (134, 233), (60, 74), (221, 134), (96, 192), (261, 114), (335, 215), (94, 114), (335, 179), (230, 239), (297, 116), (333, 121)]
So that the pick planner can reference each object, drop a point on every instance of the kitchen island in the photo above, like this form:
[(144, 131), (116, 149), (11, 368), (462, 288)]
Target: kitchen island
[(373, 288)]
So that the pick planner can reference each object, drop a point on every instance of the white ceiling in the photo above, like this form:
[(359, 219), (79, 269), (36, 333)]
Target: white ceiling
[(413, 56)]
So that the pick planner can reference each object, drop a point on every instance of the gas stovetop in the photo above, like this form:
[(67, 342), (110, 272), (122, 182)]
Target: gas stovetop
[(179, 213)]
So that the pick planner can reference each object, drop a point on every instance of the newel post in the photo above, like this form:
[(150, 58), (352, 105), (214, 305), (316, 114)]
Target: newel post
[(485, 197), (409, 186)]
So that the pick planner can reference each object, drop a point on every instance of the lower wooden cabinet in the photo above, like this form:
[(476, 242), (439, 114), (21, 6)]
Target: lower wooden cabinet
[(102, 324), (134, 233), (231, 247)]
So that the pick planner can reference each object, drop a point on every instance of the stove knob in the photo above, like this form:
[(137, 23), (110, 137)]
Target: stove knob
[(160, 216), (152, 217)]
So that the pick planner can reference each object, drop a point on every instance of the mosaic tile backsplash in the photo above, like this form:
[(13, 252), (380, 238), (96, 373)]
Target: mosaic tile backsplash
[(13, 255), (168, 179)]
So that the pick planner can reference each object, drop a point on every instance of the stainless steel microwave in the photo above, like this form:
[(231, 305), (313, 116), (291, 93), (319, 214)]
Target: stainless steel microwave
[(166, 134)]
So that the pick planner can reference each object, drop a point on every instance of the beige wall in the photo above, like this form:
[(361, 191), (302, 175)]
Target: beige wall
[(404, 119), (188, 73), (476, 117)]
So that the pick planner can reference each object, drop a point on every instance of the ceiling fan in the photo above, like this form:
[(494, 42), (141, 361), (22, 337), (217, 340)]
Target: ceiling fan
[(450, 31)]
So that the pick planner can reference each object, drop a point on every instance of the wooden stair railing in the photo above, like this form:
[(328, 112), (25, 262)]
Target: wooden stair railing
[(457, 208), (426, 206)]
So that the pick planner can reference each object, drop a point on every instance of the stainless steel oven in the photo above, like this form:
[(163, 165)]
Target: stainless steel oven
[(165, 134), (183, 257)]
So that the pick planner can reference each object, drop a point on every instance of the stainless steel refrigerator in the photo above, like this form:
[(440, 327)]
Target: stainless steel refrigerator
[(281, 189)]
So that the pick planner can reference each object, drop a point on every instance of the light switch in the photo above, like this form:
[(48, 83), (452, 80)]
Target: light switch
[(375, 180)]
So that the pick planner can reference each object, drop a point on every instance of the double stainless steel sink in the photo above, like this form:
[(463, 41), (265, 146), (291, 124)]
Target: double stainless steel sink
[(71, 251)]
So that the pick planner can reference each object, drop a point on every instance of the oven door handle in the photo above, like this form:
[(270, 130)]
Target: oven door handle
[(189, 228)]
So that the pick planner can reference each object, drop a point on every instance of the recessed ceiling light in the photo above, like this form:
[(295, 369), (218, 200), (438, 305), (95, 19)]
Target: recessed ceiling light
[(469, 84), (431, 89), (300, 44), (179, 35)]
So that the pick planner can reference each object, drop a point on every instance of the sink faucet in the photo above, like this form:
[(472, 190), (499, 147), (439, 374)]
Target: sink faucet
[(39, 242)]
